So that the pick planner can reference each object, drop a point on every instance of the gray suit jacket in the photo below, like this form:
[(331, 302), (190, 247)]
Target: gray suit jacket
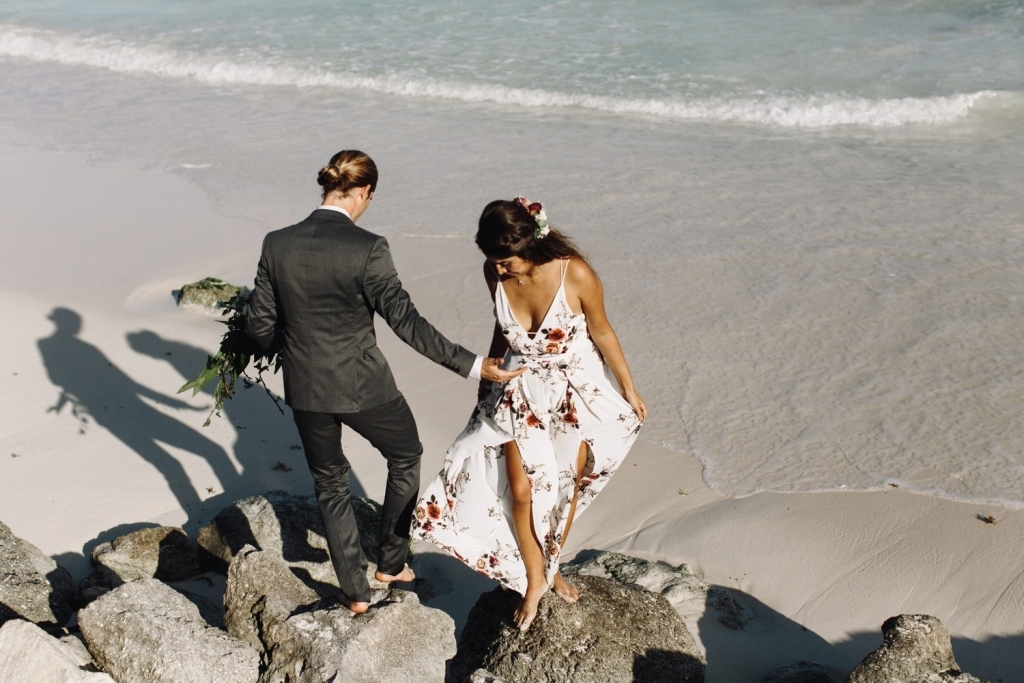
[(318, 286)]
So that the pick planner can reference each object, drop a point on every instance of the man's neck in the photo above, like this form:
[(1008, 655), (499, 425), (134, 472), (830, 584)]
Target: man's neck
[(335, 207)]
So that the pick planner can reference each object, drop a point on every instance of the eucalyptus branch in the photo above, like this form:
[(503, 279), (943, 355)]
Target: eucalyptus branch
[(236, 352)]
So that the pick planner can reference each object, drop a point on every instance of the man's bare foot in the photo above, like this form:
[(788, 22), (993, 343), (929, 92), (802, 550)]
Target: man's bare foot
[(565, 590), (353, 607), (527, 610), (407, 574)]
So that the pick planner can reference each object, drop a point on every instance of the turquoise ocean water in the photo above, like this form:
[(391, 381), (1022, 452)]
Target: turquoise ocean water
[(784, 63), (808, 215)]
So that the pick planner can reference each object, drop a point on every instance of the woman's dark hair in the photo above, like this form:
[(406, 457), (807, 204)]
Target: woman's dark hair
[(347, 170), (507, 229)]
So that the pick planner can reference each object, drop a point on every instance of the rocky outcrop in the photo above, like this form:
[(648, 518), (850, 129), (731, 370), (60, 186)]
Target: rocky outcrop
[(916, 648), (146, 632), (211, 612), (32, 586), (482, 676), (678, 585), (30, 655), (261, 591), (295, 630), (801, 672), (397, 640), (289, 525), (164, 553), (616, 632), (207, 295)]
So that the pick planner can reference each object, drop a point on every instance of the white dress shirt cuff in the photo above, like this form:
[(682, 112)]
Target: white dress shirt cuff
[(474, 372)]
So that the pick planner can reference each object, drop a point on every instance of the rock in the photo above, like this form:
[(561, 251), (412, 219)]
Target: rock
[(101, 580), (30, 655), (916, 648), (211, 612), (801, 672), (32, 586), (616, 632), (261, 590), (207, 295), (78, 649), (677, 584), (164, 553), (482, 676), (146, 632), (398, 640), (291, 526)]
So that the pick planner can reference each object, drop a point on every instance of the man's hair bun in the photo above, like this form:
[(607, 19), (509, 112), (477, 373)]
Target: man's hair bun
[(347, 170)]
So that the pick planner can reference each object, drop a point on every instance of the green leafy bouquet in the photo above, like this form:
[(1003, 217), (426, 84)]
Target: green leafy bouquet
[(237, 351)]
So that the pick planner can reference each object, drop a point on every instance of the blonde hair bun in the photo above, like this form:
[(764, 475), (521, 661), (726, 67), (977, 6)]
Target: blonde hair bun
[(347, 170)]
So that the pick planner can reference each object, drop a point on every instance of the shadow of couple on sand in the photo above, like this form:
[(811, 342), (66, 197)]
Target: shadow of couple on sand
[(94, 390)]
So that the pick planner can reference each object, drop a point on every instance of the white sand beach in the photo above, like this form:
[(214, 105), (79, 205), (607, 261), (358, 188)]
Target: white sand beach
[(94, 442)]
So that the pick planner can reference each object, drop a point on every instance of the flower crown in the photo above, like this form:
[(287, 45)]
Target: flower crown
[(536, 210)]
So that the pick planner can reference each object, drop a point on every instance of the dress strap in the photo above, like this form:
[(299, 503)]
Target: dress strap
[(565, 267)]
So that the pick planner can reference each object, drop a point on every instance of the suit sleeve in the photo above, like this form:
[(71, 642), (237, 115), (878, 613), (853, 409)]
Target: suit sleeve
[(389, 299), (261, 320)]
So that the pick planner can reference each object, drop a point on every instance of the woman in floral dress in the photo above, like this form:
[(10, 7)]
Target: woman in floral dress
[(538, 448)]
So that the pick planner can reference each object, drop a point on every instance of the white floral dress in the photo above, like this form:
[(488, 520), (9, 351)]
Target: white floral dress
[(566, 397)]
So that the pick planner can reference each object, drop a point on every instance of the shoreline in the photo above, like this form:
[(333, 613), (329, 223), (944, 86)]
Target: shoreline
[(820, 571)]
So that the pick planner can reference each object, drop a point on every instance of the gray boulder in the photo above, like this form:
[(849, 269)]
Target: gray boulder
[(261, 591), (99, 582), (615, 632), (207, 295), (289, 525), (164, 553), (398, 640), (482, 676), (916, 649), (30, 655), (146, 632), (32, 586), (801, 672), (211, 612), (679, 585)]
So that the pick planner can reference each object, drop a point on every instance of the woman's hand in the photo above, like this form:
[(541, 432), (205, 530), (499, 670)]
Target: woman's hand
[(636, 403)]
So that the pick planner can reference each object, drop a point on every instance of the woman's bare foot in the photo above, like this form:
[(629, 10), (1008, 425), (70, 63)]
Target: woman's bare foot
[(527, 610), (407, 574), (353, 607), (565, 590)]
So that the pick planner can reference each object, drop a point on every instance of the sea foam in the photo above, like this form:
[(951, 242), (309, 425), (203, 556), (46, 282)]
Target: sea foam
[(792, 111)]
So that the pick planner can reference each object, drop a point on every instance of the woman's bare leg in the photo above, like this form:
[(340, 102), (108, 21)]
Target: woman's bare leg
[(563, 588), (526, 536)]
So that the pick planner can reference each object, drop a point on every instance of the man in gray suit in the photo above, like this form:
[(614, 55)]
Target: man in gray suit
[(318, 285)]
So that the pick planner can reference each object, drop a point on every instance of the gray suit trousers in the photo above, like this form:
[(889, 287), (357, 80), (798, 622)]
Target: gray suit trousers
[(391, 429)]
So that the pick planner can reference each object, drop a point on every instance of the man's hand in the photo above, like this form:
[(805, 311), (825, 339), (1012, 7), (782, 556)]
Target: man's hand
[(492, 372)]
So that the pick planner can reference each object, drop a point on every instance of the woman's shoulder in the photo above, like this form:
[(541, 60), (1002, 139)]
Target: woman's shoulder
[(579, 273), (490, 277)]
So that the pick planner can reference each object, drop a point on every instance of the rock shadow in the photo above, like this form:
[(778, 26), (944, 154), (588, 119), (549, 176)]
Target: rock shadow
[(98, 391), (662, 666), (997, 659), (736, 622), (445, 583)]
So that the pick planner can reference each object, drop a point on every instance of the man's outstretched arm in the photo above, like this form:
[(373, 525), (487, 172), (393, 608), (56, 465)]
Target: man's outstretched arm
[(387, 296)]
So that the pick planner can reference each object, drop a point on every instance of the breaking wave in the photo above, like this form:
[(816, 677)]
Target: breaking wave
[(785, 111)]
